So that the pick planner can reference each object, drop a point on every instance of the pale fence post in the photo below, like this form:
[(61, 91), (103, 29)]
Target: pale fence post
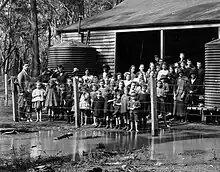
[(6, 87), (14, 99), (153, 93), (76, 101)]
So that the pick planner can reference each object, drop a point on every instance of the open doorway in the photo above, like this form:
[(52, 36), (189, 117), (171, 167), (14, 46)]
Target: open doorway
[(134, 48), (189, 41)]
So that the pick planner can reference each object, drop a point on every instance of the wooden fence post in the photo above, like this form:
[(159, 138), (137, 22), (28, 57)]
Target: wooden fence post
[(153, 93), (76, 101), (6, 87), (14, 100)]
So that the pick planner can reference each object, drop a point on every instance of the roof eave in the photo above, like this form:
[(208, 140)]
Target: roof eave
[(167, 24)]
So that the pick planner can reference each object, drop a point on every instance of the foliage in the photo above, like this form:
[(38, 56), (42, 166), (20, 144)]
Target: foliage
[(16, 31)]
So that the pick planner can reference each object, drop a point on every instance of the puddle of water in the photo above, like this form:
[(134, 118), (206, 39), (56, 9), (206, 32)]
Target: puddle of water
[(172, 147)]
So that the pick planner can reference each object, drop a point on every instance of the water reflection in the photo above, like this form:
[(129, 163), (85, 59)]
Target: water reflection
[(167, 146)]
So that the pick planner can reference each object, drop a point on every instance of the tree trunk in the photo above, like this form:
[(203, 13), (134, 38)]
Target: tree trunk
[(35, 44)]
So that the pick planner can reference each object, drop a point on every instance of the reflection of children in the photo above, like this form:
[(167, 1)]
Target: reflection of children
[(51, 101), (117, 114), (38, 100), (134, 105)]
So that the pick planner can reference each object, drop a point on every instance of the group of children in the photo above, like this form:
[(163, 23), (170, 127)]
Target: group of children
[(112, 101)]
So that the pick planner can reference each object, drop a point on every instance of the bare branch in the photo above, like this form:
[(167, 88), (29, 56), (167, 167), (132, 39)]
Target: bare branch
[(3, 4)]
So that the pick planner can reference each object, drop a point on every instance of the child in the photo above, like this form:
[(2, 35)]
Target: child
[(108, 107), (117, 107), (38, 100), (161, 101), (98, 109), (85, 106), (51, 101), (133, 106), (62, 101), (124, 108), (144, 98), (102, 86), (69, 99)]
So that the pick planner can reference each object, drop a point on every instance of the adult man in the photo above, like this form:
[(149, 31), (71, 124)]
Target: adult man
[(194, 88), (61, 76), (200, 71), (23, 83)]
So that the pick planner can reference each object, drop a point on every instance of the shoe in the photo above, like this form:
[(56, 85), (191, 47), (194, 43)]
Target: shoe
[(107, 126), (168, 126), (30, 120), (22, 119), (136, 131)]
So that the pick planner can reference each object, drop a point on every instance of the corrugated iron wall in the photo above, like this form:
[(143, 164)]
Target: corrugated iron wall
[(103, 41), (212, 74)]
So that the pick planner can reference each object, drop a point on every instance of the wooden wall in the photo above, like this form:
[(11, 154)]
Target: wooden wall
[(103, 41)]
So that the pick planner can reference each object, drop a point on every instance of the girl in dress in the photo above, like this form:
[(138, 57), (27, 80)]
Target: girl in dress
[(85, 106), (38, 100), (51, 101)]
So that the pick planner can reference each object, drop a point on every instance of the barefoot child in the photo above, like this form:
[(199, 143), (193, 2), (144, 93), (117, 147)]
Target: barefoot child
[(38, 100), (134, 105), (124, 108), (98, 109)]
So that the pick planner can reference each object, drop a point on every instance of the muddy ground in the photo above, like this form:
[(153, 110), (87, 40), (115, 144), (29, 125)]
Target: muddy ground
[(102, 160)]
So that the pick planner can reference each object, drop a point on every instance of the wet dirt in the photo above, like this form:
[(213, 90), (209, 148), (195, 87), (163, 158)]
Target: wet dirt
[(170, 147)]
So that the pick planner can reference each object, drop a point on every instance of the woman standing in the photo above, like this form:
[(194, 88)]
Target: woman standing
[(180, 91)]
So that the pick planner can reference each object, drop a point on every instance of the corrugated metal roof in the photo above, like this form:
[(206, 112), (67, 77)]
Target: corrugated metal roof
[(147, 13)]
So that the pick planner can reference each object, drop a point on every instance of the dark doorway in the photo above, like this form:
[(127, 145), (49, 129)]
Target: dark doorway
[(189, 41), (134, 48)]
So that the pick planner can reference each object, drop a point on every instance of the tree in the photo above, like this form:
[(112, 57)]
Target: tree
[(35, 44)]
